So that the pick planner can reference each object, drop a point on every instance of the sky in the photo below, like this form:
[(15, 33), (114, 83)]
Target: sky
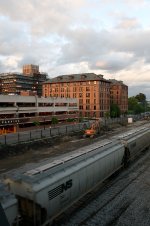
[(109, 37)]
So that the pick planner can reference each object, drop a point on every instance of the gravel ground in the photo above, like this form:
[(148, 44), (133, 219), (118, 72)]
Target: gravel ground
[(125, 200)]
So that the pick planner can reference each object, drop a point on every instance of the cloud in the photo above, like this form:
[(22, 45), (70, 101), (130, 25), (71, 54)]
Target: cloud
[(128, 23), (45, 16), (66, 36), (107, 50)]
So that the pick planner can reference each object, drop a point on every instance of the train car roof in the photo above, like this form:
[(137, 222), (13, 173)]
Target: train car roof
[(130, 134), (45, 170)]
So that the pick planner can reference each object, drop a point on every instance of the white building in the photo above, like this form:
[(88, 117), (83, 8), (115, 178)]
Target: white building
[(21, 110)]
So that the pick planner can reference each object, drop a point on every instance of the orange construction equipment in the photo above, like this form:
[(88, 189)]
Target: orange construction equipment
[(93, 130)]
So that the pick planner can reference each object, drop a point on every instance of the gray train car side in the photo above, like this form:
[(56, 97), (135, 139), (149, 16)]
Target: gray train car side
[(48, 190), (9, 204), (136, 140)]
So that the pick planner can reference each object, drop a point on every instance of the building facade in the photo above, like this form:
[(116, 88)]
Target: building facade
[(17, 83), (30, 69), (119, 95), (20, 111), (92, 91)]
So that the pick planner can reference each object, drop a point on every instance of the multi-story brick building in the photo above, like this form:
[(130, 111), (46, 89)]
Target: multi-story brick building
[(92, 91), (119, 94), (17, 83), (30, 69)]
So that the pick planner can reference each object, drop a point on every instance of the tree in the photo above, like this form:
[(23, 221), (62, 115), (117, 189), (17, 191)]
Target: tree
[(36, 123), (114, 111), (107, 114), (141, 97), (132, 103), (135, 106), (54, 120)]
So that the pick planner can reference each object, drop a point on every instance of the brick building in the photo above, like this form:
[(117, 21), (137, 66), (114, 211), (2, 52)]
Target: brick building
[(119, 94), (92, 91), (30, 69), (28, 82)]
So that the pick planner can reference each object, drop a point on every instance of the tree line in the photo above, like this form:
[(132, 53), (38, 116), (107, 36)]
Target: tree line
[(136, 105)]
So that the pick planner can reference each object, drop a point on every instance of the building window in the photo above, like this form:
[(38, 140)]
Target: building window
[(94, 82), (74, 95), (87, 94), (74, 89), (80, 101), (87, 101)]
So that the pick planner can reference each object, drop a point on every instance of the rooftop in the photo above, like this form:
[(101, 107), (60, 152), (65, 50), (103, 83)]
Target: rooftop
[(77, 77)]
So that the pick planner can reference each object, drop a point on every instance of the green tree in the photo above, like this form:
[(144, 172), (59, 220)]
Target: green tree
[(107, 115), (132, 103), (141, 97), (114, 111), (36, 123), (54, 120), (135, 106)]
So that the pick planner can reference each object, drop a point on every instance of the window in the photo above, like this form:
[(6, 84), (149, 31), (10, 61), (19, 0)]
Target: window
[(87, 101), (74, 89), (80, 101), (87, 94), (74, 95)]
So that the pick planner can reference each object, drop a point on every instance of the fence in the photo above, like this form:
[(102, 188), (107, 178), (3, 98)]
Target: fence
[(26, 136)]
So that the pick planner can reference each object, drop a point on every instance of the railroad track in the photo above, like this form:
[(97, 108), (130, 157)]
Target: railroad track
[(95, 207)]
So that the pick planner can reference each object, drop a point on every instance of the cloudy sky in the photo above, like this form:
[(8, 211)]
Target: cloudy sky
[(109, 37)]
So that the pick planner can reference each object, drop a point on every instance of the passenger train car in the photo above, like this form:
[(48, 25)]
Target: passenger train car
[(46, 191)]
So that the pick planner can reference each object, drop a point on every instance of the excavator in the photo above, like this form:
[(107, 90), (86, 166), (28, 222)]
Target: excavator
[(93, 130)]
